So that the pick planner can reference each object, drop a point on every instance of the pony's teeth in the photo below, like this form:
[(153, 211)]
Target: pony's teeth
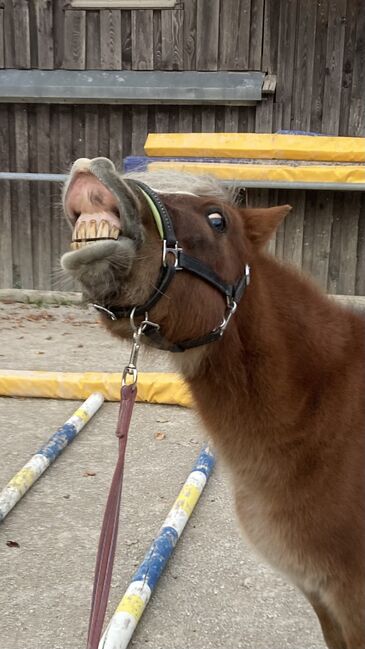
[(103, 230), (114, 233), (81, 232), (91, 230)]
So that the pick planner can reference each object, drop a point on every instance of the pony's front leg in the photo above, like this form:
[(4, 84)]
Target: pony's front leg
[(348, 606), (330, 628)]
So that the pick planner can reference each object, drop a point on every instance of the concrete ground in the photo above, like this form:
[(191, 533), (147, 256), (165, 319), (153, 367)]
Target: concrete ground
[(214, 593)]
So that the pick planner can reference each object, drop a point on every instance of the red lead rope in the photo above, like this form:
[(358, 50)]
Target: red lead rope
[(109, 530)]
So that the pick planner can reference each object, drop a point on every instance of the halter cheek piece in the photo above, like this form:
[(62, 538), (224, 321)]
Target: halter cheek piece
[(170, 246)]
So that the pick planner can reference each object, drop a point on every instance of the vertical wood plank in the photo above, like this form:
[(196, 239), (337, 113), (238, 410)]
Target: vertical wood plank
[(21, 33), (270, 37), (256, 34), (264, 115), (110, 39), (185, 119), (126, 38), (348, 244), (231, 114), (65, 161), (293, 229), (91, 131), (348, 64), (140, 129), (44, 34), (104, 135), (303, 67), (319, 65), (208, 119), (207, 37), (234, 35), (41, 213), (157, 41), (116, 151), (93, 45), (6, 244), (58, 8), (321, 241), (357, 108), (17, 34), (190, 10), (172, 39), (333, 69), (286, 54), (2, 43), (21, 204), (360, 270), (74, 40), (142, 39)]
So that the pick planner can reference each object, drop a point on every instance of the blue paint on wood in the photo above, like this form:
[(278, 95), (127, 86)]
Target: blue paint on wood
[(61, 438), (156, 558), (205, 462)]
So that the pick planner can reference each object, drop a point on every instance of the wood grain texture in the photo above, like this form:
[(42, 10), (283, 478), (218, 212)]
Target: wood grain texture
[(6, 239), (126, 38), (318, 79), (21, 204), (234, 45), (333, 67), (357, 108), (2, 43), (93, 44), (303, 67), (256, 34), (110, 40), (74, 40), (270, 37), (172, 39), (347, 64), (43, 34), (189, 53), (142, 40), (360, 270), (286, 57), (207, 35)]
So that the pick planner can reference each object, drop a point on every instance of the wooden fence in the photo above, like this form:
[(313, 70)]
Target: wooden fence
[(315, 49)]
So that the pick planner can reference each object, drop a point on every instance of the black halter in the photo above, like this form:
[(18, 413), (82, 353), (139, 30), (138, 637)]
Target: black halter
[(170, 246)]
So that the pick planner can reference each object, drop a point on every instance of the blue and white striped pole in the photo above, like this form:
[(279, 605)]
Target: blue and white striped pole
[(129, 611), (32, 470)]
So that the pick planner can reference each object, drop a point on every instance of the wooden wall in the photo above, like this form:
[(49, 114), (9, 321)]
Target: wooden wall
[(316, 49)]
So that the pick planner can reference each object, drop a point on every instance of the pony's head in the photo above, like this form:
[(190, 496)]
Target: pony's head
[(176, 246)]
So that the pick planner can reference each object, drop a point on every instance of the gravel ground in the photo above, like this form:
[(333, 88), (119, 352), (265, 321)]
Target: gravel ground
[(214, 593)]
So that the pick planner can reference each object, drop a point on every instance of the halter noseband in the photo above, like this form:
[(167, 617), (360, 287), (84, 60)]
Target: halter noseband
[(170, 246)]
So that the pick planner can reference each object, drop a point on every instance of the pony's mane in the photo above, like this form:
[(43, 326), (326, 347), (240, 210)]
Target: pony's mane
[(176, 182)]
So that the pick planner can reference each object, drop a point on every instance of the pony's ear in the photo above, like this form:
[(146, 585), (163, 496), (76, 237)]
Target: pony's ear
[(261, 223)]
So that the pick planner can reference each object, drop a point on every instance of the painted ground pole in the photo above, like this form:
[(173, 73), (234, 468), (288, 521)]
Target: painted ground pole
[(128, 613), (33, 469)]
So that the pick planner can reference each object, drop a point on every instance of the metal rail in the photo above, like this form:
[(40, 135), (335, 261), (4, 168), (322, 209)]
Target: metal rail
[(254, 184)]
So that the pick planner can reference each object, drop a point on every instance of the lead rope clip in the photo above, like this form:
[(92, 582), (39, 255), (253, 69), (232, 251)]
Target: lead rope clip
[(130, 371)]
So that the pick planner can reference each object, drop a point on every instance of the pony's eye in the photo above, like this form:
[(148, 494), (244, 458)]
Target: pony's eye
[(217, 221)]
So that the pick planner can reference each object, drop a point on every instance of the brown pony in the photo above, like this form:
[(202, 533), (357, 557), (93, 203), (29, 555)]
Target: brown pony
[(276, 368)]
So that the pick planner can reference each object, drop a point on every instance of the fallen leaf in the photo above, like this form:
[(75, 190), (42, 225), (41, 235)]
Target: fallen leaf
[(159, 436), (89, 473), (12, 544), (49, 338), (40, 352), (67, 496), (79, 346)]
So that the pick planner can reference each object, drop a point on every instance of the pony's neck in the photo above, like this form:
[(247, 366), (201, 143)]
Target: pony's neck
[(268, 369)]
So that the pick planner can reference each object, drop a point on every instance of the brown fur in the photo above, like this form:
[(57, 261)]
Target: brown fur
[(282, 395)]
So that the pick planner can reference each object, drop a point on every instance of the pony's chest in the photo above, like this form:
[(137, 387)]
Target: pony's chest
[(273, 536)]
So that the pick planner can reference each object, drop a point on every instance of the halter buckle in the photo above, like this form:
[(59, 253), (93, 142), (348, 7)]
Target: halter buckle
[(231, 309), (175, 251)]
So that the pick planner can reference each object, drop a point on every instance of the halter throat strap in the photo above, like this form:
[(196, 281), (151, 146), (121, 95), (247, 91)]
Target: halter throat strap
[(181, 261)]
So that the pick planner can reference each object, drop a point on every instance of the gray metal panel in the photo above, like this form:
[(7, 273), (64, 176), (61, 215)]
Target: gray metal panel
[(130, 87), (261, 184)]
